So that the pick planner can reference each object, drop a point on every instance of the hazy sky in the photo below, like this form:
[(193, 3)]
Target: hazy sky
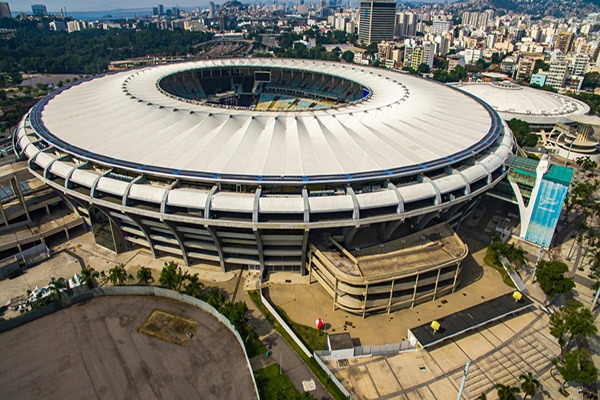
[(101, 5)]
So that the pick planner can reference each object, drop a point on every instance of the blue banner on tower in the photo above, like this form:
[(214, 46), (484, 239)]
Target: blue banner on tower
[(546, 212)]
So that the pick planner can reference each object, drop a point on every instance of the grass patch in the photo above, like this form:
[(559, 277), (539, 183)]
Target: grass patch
[(312, 338), (274, 386), (310, 362), (491, 259), (168, 327), (253, 345)]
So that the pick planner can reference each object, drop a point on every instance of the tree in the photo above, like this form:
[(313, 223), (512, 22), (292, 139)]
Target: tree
[(591, 80), (193, 287), (522, 132), (88, 275), (529, 385), (348, 56), (172, 276), (551, 277), (576, 365), (423, 68), (117, 275), (58, 286), (214, 297), (586, 162), (571, 320), (506, 392), (144, 276), (540, 64)]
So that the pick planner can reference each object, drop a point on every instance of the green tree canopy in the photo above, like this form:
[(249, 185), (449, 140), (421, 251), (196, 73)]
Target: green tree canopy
[(348, 56), (529, 385), (506, 392), (572, 319), (522, 132), (551, 277), (576, 365), (591, 80)]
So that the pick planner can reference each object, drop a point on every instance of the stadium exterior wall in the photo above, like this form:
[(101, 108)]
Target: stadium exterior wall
[(227, 223)]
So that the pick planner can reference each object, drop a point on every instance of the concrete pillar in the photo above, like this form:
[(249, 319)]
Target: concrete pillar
[(437, 281), (415, 292), (14, 183)]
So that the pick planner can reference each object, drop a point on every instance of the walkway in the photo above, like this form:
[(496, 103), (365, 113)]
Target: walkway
[(281, 353)]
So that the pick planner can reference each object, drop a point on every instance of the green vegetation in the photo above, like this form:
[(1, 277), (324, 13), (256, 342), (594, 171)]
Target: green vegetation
[(576, 365), (522, 132), (570, 321), (506, 392), (273, 386), (592, 100), (310, 362), (529, 385), (35, 48), (551, 277), (457, 74), (514, 254)]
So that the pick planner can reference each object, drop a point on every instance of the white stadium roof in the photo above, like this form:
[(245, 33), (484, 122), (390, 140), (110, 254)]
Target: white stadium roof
[(528, 104), (407, 124)]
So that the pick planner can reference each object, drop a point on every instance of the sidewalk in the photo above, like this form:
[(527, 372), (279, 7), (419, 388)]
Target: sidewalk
[(281, 352)]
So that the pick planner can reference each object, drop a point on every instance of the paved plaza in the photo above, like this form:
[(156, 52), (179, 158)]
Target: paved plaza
[(93, 350)]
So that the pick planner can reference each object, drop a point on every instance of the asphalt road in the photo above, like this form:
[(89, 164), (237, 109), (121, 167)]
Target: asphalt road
[(92, 350)]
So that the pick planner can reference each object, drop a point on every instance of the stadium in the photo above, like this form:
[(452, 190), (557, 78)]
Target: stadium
[(277, 165)]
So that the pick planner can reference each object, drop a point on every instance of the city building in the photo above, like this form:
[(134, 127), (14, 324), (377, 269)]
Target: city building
[(564, 42), (39, 9), (377, 20), (5, 10), (184, 161)]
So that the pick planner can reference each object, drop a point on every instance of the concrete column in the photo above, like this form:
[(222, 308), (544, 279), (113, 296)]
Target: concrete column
[(390, 229), (14, 182), (415, 292), (177, 236), (3, 214), (259, 245), (349, 233), (437, 281), (391, 296), (137, 221), (456, 276), (304, 250), (365, 300), (217, 241)]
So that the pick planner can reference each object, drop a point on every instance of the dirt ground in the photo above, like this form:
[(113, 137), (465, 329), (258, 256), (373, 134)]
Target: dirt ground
[(93, 350)]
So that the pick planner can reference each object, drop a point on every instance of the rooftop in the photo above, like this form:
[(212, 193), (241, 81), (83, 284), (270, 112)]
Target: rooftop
[(124, 120)]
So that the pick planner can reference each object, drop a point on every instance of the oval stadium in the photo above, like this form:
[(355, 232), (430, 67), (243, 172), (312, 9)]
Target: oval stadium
[(356, 176)]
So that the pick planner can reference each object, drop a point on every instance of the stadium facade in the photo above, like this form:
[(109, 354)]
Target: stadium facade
[(252, 162)]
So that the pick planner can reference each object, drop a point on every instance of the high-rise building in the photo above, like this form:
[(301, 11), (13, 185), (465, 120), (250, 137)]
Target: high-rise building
[(563, 42), (211, 9), (5, 10), (39, 9), (376, 21), (161, 9), (440, 27)]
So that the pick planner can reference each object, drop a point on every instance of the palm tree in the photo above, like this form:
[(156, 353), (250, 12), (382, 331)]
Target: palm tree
[(529, 385), (194, 286), (144, 275), (506, 392), (88, 275), (57, 286), (117, 275)]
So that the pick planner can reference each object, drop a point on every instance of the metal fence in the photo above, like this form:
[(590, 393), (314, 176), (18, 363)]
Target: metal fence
[(285, 326), (371, 350)]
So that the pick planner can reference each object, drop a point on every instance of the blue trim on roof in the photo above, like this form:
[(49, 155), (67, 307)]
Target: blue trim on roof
[(489, 139)]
